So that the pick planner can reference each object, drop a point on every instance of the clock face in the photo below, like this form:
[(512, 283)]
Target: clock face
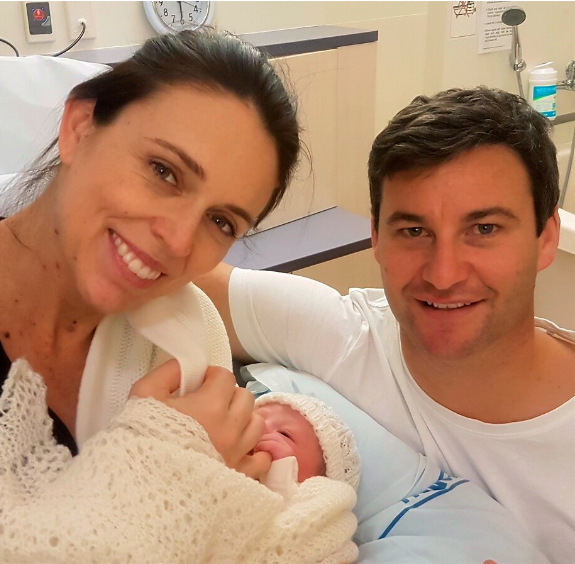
[(177, 16)]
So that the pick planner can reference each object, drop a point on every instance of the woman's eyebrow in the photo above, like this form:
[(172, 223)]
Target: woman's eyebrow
[(241, 212), (196, 168), (191, 163)]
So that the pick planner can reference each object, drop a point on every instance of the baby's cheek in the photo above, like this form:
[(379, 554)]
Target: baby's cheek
[(310, 461)]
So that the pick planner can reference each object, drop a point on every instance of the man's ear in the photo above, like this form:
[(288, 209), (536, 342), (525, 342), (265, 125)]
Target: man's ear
[(76, 125), (374, 239), (548, 241)]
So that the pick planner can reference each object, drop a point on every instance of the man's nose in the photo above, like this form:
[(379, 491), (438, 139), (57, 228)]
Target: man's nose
[(446, 264)]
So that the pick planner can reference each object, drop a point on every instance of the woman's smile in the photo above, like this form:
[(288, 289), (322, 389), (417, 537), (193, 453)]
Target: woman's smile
[(132, 263), (142, 266)]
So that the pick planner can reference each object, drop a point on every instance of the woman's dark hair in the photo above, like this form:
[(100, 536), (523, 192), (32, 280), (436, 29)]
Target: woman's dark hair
[(208, 59), (433, 130)]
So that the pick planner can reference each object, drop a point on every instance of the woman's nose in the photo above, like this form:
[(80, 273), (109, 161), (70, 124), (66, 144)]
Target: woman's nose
[(178, 231)]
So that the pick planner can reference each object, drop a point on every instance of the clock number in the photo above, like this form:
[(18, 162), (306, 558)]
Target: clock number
[(196, 9), (165, 11), (173, 19)]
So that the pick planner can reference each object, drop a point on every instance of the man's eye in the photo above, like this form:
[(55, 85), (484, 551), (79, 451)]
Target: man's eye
[(413, 231), (164, 172), (223, 225), (485, 228)]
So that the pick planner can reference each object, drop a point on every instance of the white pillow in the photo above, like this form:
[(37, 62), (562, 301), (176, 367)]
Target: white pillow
[(32, 95), (5, 204)]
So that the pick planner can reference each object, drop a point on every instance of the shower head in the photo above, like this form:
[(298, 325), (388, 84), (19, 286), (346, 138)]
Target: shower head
[(513, 16)]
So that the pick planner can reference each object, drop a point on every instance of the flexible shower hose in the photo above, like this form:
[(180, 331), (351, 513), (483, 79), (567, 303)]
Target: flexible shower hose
[(520, 84)]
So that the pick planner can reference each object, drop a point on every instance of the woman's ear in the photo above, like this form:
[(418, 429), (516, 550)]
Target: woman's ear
[(77, 124), (548, 241)]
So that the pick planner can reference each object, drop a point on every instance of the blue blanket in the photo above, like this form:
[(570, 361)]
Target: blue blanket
[(408, 510)]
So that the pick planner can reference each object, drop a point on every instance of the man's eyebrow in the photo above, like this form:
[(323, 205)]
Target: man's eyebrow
[(489, 212), (399, 216), (193, 165)]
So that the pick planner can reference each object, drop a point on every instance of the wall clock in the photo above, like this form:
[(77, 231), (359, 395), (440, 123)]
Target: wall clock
[(171, 17)]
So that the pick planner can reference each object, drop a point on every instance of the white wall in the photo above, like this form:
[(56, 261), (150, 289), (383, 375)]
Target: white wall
[(548, 34), (415, 53)]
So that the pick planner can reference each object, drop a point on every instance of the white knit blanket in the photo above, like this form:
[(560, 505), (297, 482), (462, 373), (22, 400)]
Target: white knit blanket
[(149, 488)]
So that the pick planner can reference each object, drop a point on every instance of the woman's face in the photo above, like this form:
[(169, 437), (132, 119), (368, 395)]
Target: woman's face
[(156, 198)]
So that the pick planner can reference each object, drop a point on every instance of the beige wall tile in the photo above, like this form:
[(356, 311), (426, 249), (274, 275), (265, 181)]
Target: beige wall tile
[(314, 77), (401, 63)]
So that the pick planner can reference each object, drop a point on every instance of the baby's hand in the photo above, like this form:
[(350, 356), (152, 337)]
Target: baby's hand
[(224, 410)]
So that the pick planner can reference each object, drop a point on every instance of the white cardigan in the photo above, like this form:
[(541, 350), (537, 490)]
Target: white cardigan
[(150, 489), (125, 347)]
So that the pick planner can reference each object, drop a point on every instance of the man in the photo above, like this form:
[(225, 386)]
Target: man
[(464, 190)]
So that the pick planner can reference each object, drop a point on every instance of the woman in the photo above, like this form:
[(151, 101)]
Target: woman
[(162, 163)]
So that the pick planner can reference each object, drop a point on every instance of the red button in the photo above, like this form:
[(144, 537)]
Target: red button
[(38, 14)]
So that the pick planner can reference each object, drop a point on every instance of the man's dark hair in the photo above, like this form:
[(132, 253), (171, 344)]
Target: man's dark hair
[(433, 130)]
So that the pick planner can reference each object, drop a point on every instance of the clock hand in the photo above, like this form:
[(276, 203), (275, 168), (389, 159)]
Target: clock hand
[(181, 13)]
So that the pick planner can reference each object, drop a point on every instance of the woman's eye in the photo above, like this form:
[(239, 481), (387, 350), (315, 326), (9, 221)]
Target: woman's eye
[(223, 225), (164, 172), (485, 228)]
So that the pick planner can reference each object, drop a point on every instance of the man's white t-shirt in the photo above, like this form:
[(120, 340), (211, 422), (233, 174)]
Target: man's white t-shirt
[(352, 342)]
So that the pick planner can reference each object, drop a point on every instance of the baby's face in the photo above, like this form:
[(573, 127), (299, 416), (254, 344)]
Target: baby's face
[(288, 433)]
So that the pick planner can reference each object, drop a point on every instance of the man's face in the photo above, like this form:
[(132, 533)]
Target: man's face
[(459, 253)]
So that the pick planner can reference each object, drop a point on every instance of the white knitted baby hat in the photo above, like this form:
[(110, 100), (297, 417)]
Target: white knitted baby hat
[(335, 438)]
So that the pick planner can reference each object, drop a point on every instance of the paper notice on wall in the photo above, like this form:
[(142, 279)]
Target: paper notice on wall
[(492, 33), (463, 18)]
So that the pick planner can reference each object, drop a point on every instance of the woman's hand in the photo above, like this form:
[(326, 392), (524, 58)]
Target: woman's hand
[(224, 410)]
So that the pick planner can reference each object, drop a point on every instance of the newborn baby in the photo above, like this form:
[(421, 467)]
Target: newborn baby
[(304, 438)]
